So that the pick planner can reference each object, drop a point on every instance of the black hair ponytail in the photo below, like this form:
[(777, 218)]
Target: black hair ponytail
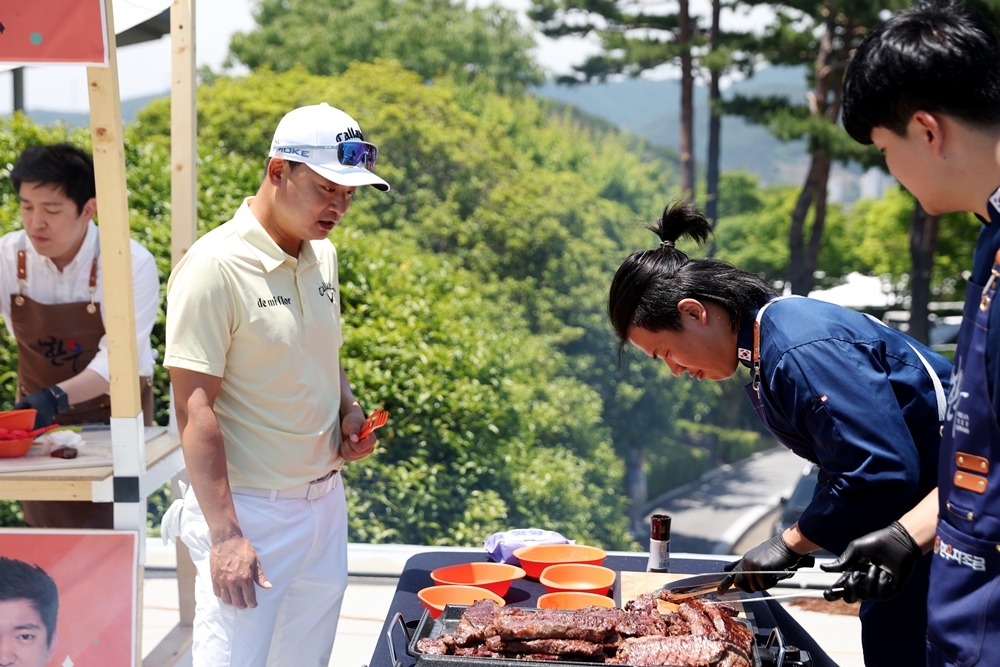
[(680, 218), (650, 283)]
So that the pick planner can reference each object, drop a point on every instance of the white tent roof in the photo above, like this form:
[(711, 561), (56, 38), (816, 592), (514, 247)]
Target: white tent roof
[(859, 291)]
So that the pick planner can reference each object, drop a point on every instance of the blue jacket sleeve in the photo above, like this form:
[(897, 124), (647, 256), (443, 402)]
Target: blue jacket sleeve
[(839, 397)]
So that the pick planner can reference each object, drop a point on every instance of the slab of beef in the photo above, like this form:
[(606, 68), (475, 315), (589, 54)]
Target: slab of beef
[(694, 614), (674, 651), (478, 651), (477, 623), (554, 624), (644, 602), (430, 646), (566, 647), (642, 625), (676, 625)]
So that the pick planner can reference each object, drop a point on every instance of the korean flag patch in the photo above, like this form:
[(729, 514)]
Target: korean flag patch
[(745, 354)]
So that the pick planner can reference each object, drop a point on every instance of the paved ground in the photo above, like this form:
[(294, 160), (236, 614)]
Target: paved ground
[(711, 514)]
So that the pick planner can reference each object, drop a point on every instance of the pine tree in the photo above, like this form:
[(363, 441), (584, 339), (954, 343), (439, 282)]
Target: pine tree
[(635, 41), (822, 36)]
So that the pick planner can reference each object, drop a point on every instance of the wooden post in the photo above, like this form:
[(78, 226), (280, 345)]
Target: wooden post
[(112, 208), (127, 432), (184, 209), (183, 130)]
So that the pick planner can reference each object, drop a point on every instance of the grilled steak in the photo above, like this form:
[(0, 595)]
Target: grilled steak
[(554, 624), (477, 623), (478, 651), (568, 647), (676, 625), (674, 651), (644, 603), (432, 646), (698, 635), (693, 612), (642, 625)]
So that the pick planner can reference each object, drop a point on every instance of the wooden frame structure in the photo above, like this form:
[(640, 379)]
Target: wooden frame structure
[(139, 467)]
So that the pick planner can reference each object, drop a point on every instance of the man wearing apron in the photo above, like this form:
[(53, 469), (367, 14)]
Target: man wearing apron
[(924, 87), (50, 276)]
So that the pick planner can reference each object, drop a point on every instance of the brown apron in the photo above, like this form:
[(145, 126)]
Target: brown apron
[(56, 342)]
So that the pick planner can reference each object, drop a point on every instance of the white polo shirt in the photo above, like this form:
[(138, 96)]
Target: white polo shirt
[(268, 324), (48, 285)]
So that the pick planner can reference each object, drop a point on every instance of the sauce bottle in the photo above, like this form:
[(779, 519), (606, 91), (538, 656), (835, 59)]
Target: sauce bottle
[(659, 543)]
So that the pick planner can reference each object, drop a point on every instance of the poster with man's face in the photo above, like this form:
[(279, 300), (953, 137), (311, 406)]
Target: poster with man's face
[(67, 597)]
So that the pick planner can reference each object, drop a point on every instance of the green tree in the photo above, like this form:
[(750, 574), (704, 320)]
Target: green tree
[(821, 36), (638, 36), (430, 37)]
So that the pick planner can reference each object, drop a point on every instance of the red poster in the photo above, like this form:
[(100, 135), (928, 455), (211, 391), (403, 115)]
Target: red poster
[(53, 32), (94, 577)]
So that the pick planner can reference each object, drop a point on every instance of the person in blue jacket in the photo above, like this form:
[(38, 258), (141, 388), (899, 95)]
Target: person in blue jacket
[(924, 87), (862, 401)]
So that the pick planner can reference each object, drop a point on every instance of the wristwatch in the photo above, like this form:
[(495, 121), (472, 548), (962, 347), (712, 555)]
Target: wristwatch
[(62, 400)]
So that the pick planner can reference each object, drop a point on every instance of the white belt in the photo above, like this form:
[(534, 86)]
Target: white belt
[(310, 490)]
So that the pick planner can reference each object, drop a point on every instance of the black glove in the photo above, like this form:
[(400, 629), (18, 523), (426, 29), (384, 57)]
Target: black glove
[(875, 566), (48, 402), (770, 556)]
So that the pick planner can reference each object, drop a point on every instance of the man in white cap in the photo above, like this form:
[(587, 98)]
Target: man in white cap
[(266, 412)]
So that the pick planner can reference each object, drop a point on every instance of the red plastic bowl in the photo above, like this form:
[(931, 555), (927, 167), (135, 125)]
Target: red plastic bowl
[(577, 577), (496, 577), (436, 597), (23, 420), (536, 558)]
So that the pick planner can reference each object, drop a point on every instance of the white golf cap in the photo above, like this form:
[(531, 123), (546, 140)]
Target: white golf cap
[(313, 136)]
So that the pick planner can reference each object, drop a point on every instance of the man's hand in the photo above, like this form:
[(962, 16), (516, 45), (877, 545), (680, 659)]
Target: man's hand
[(875, 566), (235, 572), (47, 402), (770, 556), (352, 449)]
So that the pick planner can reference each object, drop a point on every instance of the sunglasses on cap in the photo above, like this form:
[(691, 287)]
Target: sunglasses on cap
[(348, 153)]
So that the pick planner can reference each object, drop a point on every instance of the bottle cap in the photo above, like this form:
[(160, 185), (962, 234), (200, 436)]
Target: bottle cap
[(660, 527)]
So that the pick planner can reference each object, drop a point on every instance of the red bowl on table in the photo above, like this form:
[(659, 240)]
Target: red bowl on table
[(537, 557), (16, 420), (436, 597), (495, 577), (577, 577)]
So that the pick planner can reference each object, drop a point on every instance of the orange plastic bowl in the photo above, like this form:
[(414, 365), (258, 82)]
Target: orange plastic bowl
[(496, 577), (436, 597), (22, 420), (573, 600), (536, 558), (577, 577)]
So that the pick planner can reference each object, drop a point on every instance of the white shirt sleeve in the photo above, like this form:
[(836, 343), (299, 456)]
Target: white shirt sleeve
[(146, 292)]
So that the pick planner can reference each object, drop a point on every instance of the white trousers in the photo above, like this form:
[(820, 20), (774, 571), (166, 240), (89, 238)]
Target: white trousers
[(302, 547)]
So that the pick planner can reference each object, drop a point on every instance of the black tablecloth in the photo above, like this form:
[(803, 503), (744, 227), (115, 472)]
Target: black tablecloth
[(416, 575)]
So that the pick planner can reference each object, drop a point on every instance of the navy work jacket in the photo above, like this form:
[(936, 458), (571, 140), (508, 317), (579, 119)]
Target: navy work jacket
[(982, 264), (853, 397)]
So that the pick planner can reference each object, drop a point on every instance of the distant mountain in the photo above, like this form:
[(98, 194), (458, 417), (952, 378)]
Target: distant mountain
[(129, 110), (651, 109)]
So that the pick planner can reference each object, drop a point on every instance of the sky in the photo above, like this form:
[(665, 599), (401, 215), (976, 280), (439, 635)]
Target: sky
[(144, 69)]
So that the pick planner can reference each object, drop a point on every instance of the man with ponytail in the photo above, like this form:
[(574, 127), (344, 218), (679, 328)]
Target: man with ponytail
[(860, 400)]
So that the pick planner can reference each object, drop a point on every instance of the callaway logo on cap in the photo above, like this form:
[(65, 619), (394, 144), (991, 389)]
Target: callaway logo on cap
[(330, 142)]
